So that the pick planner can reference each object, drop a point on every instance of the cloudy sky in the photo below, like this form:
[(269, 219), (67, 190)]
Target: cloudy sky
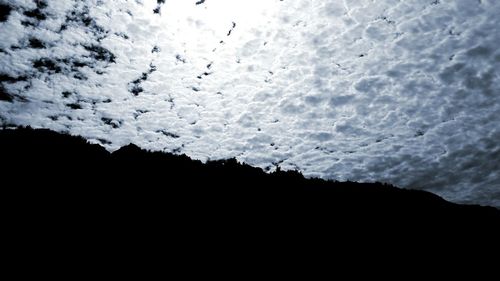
[(405, 92)]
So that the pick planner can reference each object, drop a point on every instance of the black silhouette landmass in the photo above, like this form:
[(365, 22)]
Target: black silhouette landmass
[(135, 209), (64, 176)]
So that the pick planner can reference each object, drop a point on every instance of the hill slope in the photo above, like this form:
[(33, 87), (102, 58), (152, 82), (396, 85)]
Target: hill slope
[(50, 169)]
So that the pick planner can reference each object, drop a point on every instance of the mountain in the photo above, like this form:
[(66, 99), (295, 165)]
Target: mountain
[(59, 174)]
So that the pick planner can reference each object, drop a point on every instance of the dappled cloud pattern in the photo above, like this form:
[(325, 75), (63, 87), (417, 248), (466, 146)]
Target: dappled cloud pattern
[(404, 92)]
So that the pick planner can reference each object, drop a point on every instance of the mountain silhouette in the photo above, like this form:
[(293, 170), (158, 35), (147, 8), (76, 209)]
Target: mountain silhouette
[(58, 174)]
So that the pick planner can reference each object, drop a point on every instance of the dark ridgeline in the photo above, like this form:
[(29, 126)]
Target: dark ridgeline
[(62, 196), (51, 179), (68, 162)]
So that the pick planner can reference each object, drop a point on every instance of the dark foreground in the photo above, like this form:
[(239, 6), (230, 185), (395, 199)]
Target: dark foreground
[(47, 165), (72, 209), (62, 195)]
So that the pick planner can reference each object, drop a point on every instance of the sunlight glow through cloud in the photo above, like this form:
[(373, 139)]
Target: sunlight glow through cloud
[(202, 30)]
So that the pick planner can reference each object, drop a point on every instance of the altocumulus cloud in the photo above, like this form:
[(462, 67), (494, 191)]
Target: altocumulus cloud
[(405, 92)]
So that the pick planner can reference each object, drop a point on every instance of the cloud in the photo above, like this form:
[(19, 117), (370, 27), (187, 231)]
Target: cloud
[(402, 92)]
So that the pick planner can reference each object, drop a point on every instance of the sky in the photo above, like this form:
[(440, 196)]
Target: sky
[(403, 92)]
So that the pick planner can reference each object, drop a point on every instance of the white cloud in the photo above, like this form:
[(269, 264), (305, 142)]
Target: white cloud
[(400, 91)]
